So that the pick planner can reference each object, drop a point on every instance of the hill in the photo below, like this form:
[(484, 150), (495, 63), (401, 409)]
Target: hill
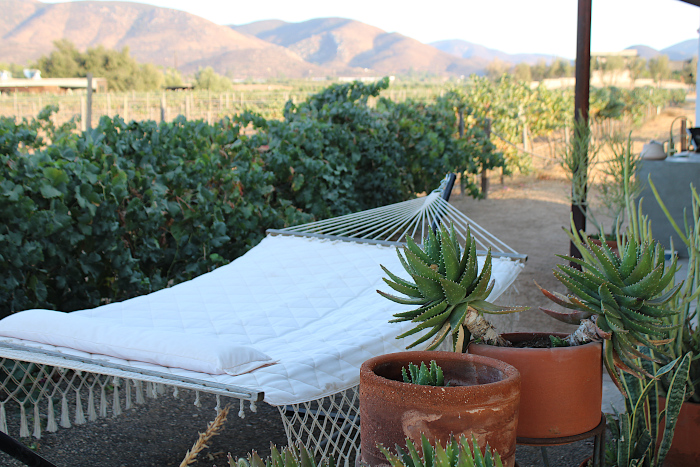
[(346, 45), (464, 49), (157, 35), (685, 50)]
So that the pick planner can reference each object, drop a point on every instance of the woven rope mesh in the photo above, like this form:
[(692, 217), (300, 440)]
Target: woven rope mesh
[(327, 427), (36, 397)]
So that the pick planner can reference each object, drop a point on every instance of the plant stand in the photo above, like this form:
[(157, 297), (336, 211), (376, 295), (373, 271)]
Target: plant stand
[(598, 444)]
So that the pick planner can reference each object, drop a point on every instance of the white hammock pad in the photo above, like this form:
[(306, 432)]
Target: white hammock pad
[(306, 308)]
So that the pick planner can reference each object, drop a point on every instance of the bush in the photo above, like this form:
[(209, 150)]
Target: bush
[(127, 209)]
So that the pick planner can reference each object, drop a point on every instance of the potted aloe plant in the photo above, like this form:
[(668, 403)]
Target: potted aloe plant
[(482, 398)]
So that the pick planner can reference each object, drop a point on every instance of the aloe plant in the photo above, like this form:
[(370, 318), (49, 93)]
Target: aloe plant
[(448, 289), (424, 375), (621, 299), (454, 454)]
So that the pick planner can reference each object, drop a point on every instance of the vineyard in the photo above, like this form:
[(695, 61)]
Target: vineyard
[(168, 105), (137, 204)]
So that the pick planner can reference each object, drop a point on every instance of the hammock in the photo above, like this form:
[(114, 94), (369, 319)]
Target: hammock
[(288, 323)]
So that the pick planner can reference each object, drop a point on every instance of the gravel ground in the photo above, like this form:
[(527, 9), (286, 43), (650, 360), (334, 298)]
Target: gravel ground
[(160, 432)]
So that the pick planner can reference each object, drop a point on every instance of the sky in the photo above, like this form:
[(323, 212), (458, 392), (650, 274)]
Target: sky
[(512, 26)]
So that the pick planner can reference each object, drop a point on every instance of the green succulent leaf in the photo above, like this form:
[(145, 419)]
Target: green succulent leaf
[(453, 291), (429, 288)]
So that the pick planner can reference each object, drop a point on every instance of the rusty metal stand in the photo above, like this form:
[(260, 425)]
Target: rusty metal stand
[(598, 443)]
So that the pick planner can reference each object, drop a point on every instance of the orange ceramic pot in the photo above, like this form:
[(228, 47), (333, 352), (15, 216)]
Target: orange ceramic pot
[(562, 387), (685, 449), (481, 400)]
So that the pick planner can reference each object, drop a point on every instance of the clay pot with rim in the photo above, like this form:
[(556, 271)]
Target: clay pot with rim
[(481, 399), (685, 448), (562, 387)]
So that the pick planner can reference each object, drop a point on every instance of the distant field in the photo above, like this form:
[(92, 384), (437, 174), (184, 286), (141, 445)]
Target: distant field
[(194, 105)]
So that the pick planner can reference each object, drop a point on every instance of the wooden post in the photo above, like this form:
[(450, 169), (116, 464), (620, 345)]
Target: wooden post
[(683, 138), (83, 114), (581, 97), (484, 171), (162, 108), (88, 113)]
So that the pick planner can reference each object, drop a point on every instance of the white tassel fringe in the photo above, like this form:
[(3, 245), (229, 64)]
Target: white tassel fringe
[(79, 414), (65, 416), (51, 425), (23, 430), (37, 421)]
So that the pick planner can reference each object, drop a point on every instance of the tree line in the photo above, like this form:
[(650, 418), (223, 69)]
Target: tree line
[(657, 68), (122, 71)]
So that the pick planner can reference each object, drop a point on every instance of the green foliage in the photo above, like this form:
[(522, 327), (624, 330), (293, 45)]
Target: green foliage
[(118, 67), (209, 80), (127, 209), (334, 154), (454, 454), (290, 456), (424, 375), (642, 435), (172, 78), (447, 287), (558, 341), (577, 158), (612, 187)]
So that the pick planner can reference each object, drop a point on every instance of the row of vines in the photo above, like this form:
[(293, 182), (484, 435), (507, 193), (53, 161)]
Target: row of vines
[(131, 207), (522, 115)]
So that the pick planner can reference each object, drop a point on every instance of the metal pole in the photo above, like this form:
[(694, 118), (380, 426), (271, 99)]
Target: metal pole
[(582, 94)]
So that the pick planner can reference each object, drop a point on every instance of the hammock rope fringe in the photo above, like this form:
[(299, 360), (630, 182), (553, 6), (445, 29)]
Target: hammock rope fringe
[(48, 389)]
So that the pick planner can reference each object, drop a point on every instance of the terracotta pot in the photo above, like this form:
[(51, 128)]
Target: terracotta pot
[(685, 449), (482, 399), (562, 387)]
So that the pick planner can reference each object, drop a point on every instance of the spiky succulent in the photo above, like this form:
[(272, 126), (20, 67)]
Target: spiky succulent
[(424, 375), (456, 453), (623, 297), (448, 289)]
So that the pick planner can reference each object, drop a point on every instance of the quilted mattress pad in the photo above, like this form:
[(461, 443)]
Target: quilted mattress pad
[(294, 317)]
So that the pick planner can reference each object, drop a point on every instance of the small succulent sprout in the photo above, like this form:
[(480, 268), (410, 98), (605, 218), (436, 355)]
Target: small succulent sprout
[(423, 375), (448, 289), (620, 298), (454, 454)]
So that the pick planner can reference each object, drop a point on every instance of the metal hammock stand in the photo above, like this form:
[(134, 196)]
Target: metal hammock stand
[(328, 427)]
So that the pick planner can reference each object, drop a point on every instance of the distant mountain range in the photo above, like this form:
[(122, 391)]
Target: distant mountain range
[(685, 50), (263, 49)]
